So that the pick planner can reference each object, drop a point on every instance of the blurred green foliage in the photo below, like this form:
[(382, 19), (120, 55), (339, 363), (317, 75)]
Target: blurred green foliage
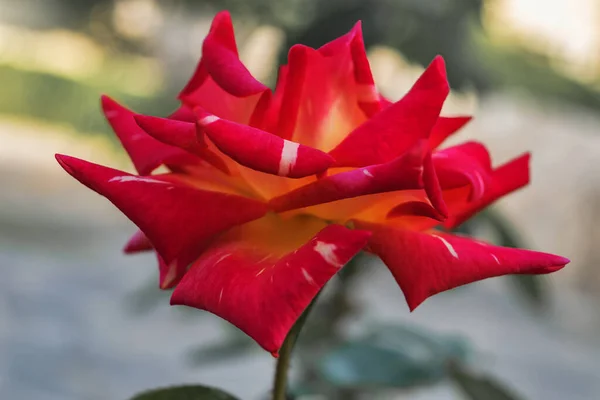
[(479, 387), (419, 29), (195, 392)]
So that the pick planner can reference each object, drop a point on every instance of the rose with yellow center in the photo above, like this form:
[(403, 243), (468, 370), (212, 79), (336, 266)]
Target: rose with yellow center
[(270, 193)]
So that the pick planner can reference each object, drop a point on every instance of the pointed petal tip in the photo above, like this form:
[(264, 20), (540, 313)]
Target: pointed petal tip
[(439, 63), (560, 262), (144, 121), (436, 73), (66, 162), (108, 103)]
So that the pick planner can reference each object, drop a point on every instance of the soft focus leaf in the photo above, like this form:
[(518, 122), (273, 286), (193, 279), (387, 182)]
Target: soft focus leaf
[(222, 351), (391, 356), (479, 387), (195, 392)]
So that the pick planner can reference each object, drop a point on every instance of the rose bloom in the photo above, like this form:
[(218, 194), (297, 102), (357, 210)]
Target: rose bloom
[(270, 193)]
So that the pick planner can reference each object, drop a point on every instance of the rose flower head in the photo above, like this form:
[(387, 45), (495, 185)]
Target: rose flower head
[(270, 193)]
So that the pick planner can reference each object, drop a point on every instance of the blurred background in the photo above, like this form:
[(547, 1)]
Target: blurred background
[(78, 320)]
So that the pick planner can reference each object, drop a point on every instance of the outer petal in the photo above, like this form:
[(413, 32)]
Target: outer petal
[(221, 82), (263, 151), (426, 264), (177, 219), (505, 179), (397, 127), (444, 127), (145, 152), (261, 293), (137, 243), (403, 173)]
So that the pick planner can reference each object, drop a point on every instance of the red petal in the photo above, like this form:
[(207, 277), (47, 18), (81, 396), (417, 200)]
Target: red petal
[(261, 293), (367, 94), (320, 102), (444, 127), (415, 209), (221, 82), (145, 152), (403, 173), (178, 219), (465, 164), (426, 264), (182, 134), (170, 274), (397, 127), (432, 187), (137, 243), (263, 151), (505, 179), (183, 113)]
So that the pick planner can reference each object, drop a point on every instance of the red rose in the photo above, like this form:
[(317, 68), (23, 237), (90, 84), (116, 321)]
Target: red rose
[(271, 193)]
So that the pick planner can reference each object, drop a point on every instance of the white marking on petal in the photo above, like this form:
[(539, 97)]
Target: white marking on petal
[(448, 246), (289, 155), (367, 173), (308, 277), (133, 178), (220, 295), (327, 251), (209, 119), (367, 93), (222, 258), (495, 258), (265, 258), (261, 271), (479, 180)]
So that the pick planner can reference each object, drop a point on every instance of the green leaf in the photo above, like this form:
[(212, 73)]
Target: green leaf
[(191, 392), (391, 356), (476, 387)]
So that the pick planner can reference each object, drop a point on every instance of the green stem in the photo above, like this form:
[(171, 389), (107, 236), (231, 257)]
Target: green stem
[(285, 355)]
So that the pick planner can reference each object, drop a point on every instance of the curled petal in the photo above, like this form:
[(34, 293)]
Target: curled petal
[(432, 187), (444, 127), (263, 151), (182, 134), (505, 179), (425, 264), (465, 164), (177, 219), (263, 292), (399, 126), (415, 209), (145, 152), (221, 82), (137, 243), (403, 173), (176, 133)]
